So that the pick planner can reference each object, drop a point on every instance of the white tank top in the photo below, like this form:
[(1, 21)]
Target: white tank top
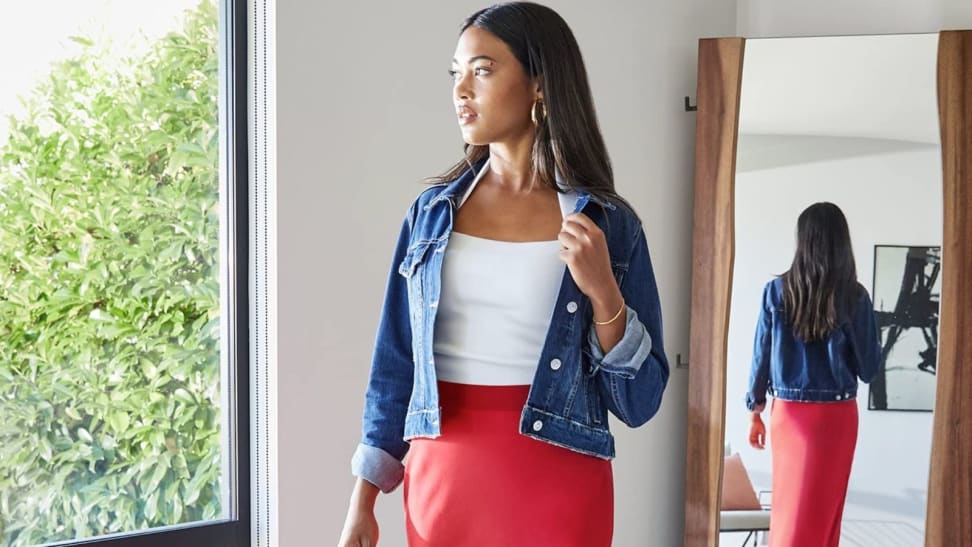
[(494, 310), (495, 306)]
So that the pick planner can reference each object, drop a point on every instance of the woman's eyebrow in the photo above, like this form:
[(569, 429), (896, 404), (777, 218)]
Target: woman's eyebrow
[(476, 58)]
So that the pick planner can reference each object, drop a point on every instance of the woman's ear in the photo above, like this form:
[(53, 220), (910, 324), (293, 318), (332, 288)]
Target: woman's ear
[(537, 89)]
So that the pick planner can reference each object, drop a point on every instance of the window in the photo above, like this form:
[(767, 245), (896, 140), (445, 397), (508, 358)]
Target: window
[(124, 308)]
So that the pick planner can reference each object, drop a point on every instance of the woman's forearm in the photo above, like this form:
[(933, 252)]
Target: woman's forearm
[(364, 495)]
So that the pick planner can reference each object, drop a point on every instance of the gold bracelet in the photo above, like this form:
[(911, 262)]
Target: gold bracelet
[(613, 319)]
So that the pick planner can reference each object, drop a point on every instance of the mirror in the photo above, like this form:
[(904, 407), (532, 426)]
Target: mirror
[(887, 145), (850, 120)]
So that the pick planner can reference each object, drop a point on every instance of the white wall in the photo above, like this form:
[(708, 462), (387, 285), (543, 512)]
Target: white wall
[(766, 18), (363, 113), (888, 198)]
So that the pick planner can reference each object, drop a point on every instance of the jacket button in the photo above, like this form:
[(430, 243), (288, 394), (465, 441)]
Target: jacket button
[(571, 307), (555, 364), (838, 397), (537, 425)]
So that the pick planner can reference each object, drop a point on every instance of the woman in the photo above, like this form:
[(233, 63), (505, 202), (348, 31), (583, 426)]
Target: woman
[(815, 337), (494, 365)]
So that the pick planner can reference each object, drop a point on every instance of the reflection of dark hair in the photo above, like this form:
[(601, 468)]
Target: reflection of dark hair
[(820, 288), (569, 140)]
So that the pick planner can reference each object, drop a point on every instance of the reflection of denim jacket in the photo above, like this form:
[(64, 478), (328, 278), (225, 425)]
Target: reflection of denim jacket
[(574, 385), (826, 370)]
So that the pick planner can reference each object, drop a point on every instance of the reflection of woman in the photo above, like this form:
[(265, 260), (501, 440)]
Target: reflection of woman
[(815, 337), (494, 368)]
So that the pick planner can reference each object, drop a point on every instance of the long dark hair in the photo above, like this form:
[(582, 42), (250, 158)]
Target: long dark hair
[(569, 140), (820, 288)]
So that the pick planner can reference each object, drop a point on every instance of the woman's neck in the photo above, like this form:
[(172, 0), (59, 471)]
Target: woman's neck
[(511, 165)]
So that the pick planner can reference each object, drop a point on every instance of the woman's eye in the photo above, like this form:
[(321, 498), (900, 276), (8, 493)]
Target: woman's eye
[(478, 71)]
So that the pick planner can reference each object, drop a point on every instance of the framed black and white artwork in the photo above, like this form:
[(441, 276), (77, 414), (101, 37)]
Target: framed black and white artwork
[(906, 293)]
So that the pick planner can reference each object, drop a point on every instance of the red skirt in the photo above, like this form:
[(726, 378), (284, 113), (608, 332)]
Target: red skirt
[(813, 448), (482, 483)]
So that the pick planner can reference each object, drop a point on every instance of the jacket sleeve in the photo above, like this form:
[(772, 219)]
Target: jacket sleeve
[(378, 458), (865, 339), (632, 376), (762, 348)]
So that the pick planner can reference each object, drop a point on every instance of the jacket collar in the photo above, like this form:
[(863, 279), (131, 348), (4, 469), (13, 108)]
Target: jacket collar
[(456, 190)]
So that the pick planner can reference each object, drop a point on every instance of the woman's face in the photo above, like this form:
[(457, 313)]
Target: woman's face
[(491, 91)]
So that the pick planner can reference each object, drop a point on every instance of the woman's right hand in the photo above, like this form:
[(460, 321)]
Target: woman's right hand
[(757, 433), (361, 526), (360, 529)]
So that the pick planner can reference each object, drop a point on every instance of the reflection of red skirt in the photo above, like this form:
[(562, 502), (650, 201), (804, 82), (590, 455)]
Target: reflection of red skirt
[(483, 484), (813, 448)]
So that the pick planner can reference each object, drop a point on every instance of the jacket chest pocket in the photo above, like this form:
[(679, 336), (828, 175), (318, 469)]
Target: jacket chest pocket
[(414, 257)]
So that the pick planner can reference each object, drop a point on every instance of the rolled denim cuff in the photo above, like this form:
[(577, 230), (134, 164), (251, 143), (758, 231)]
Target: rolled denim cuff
[(627, 356), (377, 467), (754, 406)]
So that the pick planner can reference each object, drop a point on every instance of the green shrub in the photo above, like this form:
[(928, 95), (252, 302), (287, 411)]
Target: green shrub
[(109, 294)]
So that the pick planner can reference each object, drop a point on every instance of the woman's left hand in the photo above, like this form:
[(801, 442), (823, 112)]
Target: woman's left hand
[(584, 250), (757, 433)]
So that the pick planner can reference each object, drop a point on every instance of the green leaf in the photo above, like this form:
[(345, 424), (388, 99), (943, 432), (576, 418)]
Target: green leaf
[(157, 475), (151, 506), (81, 40), (46, 452), (184, 396), (84, 435), (119, 421), (176, 510)]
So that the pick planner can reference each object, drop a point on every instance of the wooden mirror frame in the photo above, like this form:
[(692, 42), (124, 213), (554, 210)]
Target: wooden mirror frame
[(949, 505)]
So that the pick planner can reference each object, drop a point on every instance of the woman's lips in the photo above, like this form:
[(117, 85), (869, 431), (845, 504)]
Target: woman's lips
[(466, 115)]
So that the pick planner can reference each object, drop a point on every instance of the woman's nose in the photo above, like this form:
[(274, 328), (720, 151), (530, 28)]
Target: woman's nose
[(461, 89)]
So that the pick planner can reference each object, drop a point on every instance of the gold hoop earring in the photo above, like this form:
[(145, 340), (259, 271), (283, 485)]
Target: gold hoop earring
[(542, 117)]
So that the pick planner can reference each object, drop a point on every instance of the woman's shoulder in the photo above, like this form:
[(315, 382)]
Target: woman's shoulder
[(428, 195), (619, 213), (773, 291), (861, 295), (442, 189)]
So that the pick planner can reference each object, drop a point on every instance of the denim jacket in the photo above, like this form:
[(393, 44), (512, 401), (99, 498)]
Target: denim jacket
[(575, 384), (821, 371)]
